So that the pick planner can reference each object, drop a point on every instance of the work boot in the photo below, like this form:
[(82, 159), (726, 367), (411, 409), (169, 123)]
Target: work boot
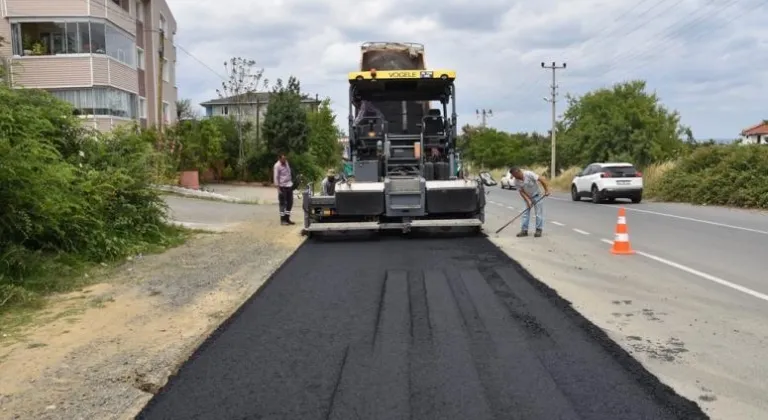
[(537, 234), (522, 234), (284, 220), (288, 220)]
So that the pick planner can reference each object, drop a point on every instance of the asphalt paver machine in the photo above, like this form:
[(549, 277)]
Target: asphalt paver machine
[(402, 149)]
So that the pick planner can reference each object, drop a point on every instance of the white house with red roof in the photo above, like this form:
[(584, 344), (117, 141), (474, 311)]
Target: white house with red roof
[(757, 134)]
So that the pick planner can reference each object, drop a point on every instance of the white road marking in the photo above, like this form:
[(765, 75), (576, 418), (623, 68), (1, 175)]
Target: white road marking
[(700, 274), (580, 231), (674, 216), (558, 223), (510, 207)]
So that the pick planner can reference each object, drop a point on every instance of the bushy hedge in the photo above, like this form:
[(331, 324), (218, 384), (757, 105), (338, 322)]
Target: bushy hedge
[(69, 195), (733, 175)]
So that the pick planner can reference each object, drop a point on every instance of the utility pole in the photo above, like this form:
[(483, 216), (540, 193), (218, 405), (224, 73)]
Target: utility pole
[(483, 115), (160, 67), (553, 100)]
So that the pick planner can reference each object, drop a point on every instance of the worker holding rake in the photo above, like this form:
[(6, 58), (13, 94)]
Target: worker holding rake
[(527, 182)]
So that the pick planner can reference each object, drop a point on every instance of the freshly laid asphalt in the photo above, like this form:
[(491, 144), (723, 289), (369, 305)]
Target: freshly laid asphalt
[(394, 328)]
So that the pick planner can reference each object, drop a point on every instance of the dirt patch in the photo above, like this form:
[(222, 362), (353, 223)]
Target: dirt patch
[(100, 353)]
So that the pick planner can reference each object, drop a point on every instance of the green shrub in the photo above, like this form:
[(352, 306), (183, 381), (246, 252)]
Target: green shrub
[(70, 196), (732, 175)]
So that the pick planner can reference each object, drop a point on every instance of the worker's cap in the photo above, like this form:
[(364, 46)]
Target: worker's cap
[(331, 172)]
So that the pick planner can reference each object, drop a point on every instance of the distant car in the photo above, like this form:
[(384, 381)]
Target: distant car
[(487, 179), (507, 183), (608, 181)]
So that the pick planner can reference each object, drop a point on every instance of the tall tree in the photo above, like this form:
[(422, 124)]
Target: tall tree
[(285, 124), (244, 80), (184, 110), (324, 136), (620, 123)]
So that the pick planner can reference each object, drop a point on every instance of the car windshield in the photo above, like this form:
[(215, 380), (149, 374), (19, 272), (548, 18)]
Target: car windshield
[(620, 171)]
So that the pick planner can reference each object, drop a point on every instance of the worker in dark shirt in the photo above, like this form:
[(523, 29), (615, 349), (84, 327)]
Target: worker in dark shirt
[(328, 186)]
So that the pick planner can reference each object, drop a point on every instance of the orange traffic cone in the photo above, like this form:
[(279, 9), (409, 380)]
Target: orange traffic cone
[(621, 244)]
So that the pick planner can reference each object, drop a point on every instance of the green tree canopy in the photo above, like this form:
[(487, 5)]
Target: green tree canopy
[(285, 127), (201, 144), (491, 148), (620, 123), (323, 137)]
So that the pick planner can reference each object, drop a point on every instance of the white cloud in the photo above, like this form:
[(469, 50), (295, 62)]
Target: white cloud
[(706, 58)]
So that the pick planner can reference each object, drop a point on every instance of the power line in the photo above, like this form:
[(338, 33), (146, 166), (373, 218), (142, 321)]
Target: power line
[(526, 84), (667, 40), (724, 23), (615, 62)]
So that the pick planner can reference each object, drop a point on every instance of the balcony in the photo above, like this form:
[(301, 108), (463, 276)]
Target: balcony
[(117, 11), (68, 38), (75, 53)]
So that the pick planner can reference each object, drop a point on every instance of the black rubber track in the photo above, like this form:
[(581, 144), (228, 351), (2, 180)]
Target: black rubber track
[(411, 329)]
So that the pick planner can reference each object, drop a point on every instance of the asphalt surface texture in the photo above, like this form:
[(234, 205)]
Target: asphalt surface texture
[(395, 328), (720, 242)]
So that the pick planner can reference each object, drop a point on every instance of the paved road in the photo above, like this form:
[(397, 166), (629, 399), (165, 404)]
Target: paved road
[(691, 305), (416, 329), (725, 246)]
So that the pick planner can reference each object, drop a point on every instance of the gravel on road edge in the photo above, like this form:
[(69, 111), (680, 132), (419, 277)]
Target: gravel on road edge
[(111, 346)]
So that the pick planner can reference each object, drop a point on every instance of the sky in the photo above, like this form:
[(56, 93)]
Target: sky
[(707, 59)]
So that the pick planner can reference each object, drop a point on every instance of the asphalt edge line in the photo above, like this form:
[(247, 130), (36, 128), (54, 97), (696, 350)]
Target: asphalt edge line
[(665, 395), (675, 216), (214, 335), (700, 274)]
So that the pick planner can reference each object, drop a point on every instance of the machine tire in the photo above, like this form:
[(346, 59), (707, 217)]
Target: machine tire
[(429, 171), (442, 171)]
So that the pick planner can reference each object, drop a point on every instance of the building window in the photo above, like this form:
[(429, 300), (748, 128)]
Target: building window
[(123, 4), (225, 110), (120, 46), (142, 108), (140, 63), (49, 38), (166, 70), (98, 38), (99, 101), (163, 25), (140, 11), (166, 112)]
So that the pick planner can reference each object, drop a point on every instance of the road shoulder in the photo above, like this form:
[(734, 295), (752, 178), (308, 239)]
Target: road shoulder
[(102, 352), (702, 341)]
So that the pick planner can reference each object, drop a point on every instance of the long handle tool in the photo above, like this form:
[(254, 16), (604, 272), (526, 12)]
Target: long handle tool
[(521, 213)]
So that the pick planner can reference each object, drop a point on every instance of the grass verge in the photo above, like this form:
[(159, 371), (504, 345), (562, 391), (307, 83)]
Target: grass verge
[(50, 273)]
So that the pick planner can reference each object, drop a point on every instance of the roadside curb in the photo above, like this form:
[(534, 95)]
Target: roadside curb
[(205, 227), (188, 192), (209, 195)]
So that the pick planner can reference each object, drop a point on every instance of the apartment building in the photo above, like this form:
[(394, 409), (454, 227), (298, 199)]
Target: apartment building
[(99, 55), (253, 106)]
